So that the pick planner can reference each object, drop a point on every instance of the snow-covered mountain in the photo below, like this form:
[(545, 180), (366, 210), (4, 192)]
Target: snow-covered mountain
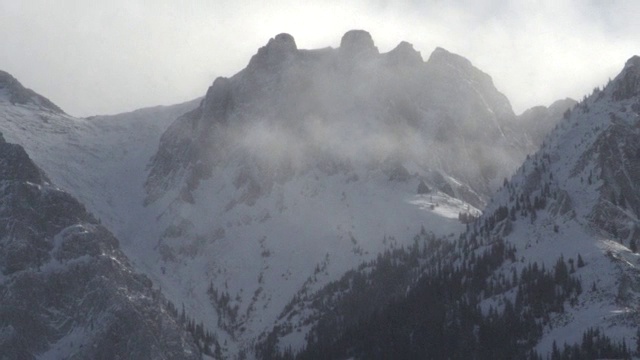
[(66, 289), (537, 122), (284, 176), (318, 159), (345, 107), (585, 179), (550, 270), (101, 160)]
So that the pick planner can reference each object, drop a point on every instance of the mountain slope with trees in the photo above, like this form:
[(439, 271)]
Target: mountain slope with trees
[(550, 270)]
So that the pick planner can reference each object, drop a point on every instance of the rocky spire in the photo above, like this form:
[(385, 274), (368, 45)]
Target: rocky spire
[(357, 43), (277, 51), (404, 54)]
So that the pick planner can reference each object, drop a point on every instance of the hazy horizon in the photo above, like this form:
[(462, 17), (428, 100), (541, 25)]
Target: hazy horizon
[(97, 58)]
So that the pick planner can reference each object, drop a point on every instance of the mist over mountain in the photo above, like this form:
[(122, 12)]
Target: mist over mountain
[(550, 270), (349, 107), (538, 121), (317, 195)]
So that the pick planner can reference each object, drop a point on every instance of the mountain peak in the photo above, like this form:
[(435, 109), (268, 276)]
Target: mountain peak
[(277, 51), (358, 43), (442, 56), (283, 42), (459, 73), (633, 62), (627, 84), (15, 93), (404, 53), (283, 86), (440, 51)]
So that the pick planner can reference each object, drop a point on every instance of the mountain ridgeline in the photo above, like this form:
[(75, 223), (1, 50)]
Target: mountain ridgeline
[(325, 203), (341, 109)]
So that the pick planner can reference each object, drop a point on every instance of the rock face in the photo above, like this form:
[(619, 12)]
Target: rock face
[(443, 115), (404, 55), (15, 164), (66, 290), (628, 82), (357, 44), (12, 91), (537, 122)]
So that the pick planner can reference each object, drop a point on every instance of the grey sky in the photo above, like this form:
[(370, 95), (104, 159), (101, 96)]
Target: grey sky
[(99, 57)]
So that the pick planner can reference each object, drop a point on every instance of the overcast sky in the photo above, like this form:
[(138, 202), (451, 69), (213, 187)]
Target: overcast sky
[(102, 57)]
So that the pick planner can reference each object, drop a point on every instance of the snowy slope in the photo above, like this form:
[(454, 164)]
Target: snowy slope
[(313, 159), (305, 160), (66, 289), (260, 255), (550, 269), (586, 178), (101, 160)]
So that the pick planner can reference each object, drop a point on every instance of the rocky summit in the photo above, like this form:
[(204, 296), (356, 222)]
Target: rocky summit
[(444, 116)]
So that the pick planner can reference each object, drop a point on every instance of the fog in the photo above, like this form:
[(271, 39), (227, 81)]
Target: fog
[(347, 110), (96, 57)]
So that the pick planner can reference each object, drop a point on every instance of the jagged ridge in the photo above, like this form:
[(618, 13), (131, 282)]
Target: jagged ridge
[(445, 105)]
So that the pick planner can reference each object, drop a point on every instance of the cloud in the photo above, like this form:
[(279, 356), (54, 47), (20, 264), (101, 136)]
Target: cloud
[(104, 57)]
